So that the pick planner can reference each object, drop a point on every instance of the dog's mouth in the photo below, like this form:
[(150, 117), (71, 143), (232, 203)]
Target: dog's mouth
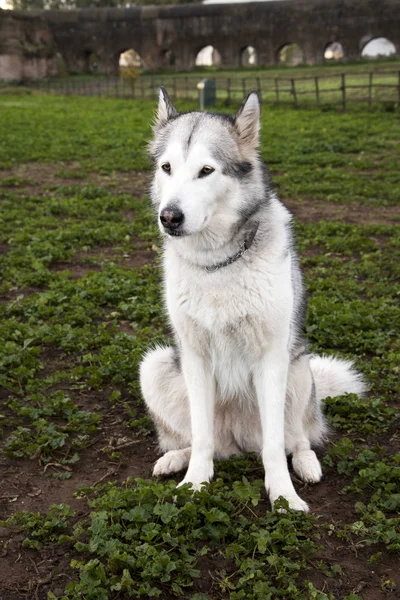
[(174, 233)]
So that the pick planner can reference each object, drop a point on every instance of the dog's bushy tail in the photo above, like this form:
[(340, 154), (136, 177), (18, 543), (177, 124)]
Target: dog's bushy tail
[(334, 377)]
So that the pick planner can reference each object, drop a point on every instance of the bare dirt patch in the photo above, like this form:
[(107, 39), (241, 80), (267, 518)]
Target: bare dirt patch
[(313, 210), (40, 178), (84, 263), (138, 256)]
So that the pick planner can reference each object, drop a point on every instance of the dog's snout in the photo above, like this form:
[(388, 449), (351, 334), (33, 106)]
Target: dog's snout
[(171, 217)]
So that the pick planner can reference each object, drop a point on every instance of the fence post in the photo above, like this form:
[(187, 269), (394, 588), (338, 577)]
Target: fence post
[(370, 90), (317, 91), (398, 87), (343, 88), (277, 90), (294, 93), (259, 90)]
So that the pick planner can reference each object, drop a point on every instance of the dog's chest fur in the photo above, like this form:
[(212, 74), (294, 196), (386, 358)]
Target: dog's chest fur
[(230, 316)]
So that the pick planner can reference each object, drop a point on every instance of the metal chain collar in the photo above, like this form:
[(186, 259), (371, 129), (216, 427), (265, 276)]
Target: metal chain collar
[(243, 249)]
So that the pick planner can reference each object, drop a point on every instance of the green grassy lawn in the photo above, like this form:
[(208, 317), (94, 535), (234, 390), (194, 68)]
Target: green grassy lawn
[(80, 302), (325, 155)]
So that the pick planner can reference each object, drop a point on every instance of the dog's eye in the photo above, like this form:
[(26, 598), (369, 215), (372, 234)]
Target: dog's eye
[(206, 170), (166, 167)]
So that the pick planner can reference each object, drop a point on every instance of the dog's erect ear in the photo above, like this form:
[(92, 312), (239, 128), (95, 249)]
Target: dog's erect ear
[(166, 110), (247, 123)]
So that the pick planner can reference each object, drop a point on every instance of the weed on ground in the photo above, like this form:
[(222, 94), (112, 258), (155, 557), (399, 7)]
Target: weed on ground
[(80, 303)]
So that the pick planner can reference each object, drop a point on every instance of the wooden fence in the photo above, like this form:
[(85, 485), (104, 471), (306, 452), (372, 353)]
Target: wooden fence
[(321, 90)]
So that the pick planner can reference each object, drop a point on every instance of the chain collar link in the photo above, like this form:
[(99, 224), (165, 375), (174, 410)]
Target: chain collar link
[(243, 249)]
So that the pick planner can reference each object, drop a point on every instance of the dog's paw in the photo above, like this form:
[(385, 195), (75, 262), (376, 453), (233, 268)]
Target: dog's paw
[(172, 462), (307, 466), (196, 487), (294, 501), (198, 476)]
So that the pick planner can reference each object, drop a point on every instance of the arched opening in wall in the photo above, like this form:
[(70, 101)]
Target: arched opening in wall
[(379, 48), (248, 57), (333, 52), (290, 55), (169, 58), (208, 57), (129, 63), (91, 61)]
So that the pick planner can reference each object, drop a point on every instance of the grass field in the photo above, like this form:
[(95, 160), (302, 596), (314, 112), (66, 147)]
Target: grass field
[(80, 302)]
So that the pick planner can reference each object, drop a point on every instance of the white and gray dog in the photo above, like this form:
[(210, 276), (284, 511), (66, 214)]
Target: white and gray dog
[(239, 378)]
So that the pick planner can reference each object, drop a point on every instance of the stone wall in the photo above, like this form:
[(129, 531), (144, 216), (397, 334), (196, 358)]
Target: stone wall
[(91, 39), (27, 47)]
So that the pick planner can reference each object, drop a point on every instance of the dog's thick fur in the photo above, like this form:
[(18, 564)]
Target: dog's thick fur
[(239, 378)]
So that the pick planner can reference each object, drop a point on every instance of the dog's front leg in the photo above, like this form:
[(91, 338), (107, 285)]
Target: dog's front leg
[(270, 379), (201, 394)]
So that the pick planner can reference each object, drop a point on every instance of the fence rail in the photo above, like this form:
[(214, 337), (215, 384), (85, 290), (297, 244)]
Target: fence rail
[(332, 89)]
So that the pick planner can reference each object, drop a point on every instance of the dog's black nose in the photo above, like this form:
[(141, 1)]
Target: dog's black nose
[(171, 218)]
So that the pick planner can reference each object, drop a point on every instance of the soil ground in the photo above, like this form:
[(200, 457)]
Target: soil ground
[(25, 484)]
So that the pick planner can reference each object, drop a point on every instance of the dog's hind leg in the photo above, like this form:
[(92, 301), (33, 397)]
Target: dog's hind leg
[(172, 462), (304, 422), (164, 391)]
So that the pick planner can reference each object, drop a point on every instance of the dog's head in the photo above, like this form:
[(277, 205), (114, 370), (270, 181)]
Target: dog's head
[(202, 161)]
